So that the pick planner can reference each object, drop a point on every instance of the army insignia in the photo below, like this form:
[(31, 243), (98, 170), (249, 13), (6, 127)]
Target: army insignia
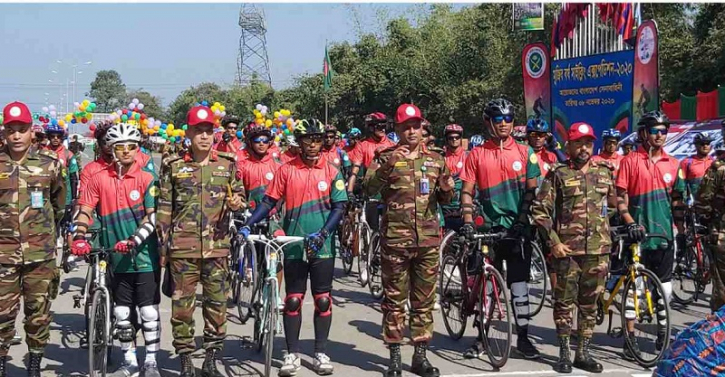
[(534, 159), (339, 184), (184, 175), (4, 175), (153, 191), (430, 164), (572, 183), (186, 169), (518, 165), (322, 186), (401, 164), (667, 177), (221, 168), (134, 195), (220, 174)]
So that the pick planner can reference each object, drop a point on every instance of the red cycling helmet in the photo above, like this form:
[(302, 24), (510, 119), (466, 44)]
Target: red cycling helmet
[(453, 129), (375, 118)]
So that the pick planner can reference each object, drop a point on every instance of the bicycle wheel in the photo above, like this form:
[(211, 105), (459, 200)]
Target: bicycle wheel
[(345, 247), (260, 315), (99, 327), (538, 280), (269, 330), (684, 276), (651, 315), (494, 318), (375, 276), (452, 297), (246, 280), (362, 242)]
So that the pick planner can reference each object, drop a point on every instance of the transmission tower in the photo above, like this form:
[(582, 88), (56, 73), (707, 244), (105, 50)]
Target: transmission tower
[(252, 61)]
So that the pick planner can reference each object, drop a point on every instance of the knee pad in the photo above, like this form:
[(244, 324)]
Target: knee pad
[(123, 315), (150, 318), (293, 304), (323, 304), (124, 328), (520, 298)]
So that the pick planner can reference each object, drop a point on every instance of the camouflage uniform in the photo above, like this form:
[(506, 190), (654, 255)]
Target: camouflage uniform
[(410, 236), (710, 204), (27, 244), (573, 207), (193, 226)]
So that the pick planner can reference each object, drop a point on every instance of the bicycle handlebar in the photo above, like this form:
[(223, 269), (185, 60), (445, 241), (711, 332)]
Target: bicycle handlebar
[(490, 236), (277, 239), (620, 232)]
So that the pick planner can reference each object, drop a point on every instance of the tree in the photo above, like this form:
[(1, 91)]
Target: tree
[(152, 104), (108, 90)]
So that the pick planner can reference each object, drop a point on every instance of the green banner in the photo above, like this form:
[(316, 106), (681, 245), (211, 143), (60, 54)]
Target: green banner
[(688, 107), (528, 16)]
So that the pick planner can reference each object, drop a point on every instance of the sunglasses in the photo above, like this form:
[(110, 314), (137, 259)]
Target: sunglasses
[(55, 136), (701, 144), (330, 136), (380, 127), (657, 131), (309, 140), (453, 138), (260, 139), (537, 134), (125, 147), (503, 118)]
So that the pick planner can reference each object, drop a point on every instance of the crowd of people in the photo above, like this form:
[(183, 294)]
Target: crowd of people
[(177, 218)]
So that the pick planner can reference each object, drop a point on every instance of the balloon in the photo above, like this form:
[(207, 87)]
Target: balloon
[(290, 122), (274, 130), (258, 107), (156, 128), (76, 104), (73, 121), (84, 120), (132, 106), (135, 101), (204, 103), (224, 113), (217, 113), (277, 114), (259, 121), (183, 132), (264, 111), (86, 102), (137, 116), (53, 113), (52, 107), (140, 106), (239, 134), (92, 127), (169, 128), (124, 117), (185, 127), (268, 123), (286, 132), (45, 109), (61, 122), (222, 108), (217, 104)]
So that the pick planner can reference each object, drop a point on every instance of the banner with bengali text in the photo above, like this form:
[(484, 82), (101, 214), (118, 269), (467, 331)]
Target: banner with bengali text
[(594, 89), (537, 82)]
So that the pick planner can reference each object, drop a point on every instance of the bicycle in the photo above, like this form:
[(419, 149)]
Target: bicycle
[(634, 279), (374, 266), (691, 273), (244, 269), (346, 237), (267, 322), (538, 279), (482, 294), (362, 240)]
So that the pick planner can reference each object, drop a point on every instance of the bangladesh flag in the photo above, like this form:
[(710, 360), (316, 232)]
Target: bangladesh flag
[(327, 71)]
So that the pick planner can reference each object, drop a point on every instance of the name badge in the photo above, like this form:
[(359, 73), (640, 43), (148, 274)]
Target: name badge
[(184, 175), (36, 199), (572, 183), (401, 164), (424, 186)]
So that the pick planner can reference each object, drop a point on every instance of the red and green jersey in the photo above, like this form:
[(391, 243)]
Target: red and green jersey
[(614, 159), (649, 186), (337, 157), (364, 151), (500, 173), (547, 161), (256, 174), (121, 204), (455, 161), (694, 168), (308, 196), (287, 156)]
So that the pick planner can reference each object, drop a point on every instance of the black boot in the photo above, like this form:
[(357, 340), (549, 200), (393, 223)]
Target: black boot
[(34, 360), (395, 368), (208, 369), (630, 352), (3, 364), (563, 365), (420, 365), (583, 360), (187, 367), (524, 345), (661, 337)]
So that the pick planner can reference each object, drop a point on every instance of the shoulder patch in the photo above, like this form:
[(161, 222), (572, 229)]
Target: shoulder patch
[(170, 160), (49, 153), (228, 156)]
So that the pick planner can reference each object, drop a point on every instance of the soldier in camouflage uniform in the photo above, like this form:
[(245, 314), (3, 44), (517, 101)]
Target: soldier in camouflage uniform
[(32, 197), (710, 206), (572, 213), (198, 190), (413, 182)]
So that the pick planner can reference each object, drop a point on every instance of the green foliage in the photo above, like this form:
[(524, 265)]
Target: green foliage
[(108, 90), (152, 104)]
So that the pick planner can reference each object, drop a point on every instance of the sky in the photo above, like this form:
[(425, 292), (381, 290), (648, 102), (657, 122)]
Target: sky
[(163, 48)]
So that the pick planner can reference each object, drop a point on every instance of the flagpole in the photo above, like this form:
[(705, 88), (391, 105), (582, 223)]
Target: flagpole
[(326, 89)]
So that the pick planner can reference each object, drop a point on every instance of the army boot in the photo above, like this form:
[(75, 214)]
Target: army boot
[(583, 360), (187, 367), (3, 366), (208, 369), (395, 368), (563, 365), (420, 365), (34, 360)]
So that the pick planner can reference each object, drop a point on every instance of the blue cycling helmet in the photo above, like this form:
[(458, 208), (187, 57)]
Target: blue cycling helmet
[(476, 140), (537, 125), (354, 133), (393, 137), (611, 134), (51, 128)]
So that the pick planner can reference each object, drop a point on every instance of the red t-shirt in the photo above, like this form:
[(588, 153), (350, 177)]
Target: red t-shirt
[(364, 151), (455, 161), (64, 155), (256, 174), (547, 160), (614, 159), (287, 156)]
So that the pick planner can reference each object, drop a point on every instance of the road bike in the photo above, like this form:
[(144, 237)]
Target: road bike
[(539, 283), (374, 266), (347, 239), (644, 300), (244, 269), (267, 322), (691, 273), (476, 289), (362, 239)]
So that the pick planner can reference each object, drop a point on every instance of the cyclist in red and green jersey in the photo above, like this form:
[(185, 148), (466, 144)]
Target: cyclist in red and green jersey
[(333, 152), (505, 174), (610, 138), (455, 156), (124, 195), (364, 152), (694, 167), (538, 134), (314, 197), (649, 190)]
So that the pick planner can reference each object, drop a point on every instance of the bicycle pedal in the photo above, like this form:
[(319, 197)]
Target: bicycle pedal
[(616, 332)]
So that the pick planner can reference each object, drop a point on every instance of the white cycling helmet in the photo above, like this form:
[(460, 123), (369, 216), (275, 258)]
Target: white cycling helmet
[(122, 133), (292, 141)]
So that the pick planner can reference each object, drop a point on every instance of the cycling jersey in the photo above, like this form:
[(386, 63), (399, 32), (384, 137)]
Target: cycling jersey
[(614, 159), (233, 146), (287, 156), (649, 186), (121, 204), (256, 174), (337, 157), (500, 173), (454, 161), (364, 151), (694, 168), (308, 194), (547, 161)]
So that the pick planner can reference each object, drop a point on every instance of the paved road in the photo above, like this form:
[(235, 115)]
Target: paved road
[(355, 344)]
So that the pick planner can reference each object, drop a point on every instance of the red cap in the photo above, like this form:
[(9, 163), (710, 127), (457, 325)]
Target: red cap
[(17, 112), (407, 112), (579, 130), (198, 115)]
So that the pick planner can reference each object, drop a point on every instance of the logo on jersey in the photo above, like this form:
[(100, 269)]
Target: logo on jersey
[(459, 164), (339, 184), (667, 178), (134, 195), (269, 176), (322, 186), (518, 165), (534, 160), (681, 174), (336, 161), (153, 191)]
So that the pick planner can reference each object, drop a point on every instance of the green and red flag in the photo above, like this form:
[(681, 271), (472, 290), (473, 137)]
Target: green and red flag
[(327, 71)]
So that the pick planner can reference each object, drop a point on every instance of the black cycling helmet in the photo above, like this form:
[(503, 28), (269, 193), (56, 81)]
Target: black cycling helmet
[(702, 138), (498, 107), (230, 119), (253, 130), (654, 118), (307, 127), (330, 128)]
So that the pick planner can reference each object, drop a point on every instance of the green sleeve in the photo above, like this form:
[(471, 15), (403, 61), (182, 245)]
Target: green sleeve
[(532, 165), (337, 191)]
